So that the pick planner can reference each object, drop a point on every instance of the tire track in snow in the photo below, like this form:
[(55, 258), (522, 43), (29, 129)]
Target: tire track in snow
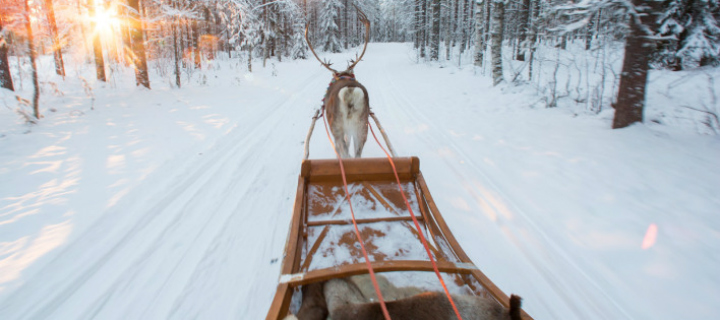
[(185, 187)]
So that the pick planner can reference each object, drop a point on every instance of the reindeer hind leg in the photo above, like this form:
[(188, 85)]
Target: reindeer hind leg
[(341, 143), (360, 138)]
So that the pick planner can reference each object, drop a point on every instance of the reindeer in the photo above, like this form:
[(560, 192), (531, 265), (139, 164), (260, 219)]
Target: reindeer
[(346, 104)]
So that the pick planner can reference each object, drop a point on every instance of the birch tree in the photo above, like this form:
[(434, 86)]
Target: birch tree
[(498, 25), (435, 31)]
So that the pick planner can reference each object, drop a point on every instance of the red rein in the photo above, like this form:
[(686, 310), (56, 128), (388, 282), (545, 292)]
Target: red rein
[(417, 225)]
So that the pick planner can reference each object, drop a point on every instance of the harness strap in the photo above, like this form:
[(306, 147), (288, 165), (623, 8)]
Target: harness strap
[(417, 226), (357, 231)]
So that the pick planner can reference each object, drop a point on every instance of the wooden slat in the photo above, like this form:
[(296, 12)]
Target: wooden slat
[(380, 198), (380, 266), (316, 245), (359, 169), (359, 221), (479, 275)]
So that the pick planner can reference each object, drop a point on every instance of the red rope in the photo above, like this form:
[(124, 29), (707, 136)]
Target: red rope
[(357, 231), (417, 226)]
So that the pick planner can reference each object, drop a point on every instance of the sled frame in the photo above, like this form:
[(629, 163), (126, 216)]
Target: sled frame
[(367, 171)]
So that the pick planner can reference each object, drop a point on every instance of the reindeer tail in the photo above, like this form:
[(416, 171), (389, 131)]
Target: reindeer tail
[(515, 302)]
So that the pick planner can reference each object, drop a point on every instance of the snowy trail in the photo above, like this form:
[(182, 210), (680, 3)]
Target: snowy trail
[(149, 248), (196, 229), (523, 233)]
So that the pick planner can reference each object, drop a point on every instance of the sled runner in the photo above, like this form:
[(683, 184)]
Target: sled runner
[(322, 245)]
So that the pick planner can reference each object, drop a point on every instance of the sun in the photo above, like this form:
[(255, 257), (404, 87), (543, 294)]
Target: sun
[(105, 20)]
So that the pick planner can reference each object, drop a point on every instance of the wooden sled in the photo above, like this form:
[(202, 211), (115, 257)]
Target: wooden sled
[(321, 244)]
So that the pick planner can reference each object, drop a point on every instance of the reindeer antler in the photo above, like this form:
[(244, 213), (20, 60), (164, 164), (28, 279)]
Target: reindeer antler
[(364, 19), (325, 63)]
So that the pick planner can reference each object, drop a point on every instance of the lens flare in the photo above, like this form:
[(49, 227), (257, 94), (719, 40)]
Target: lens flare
[(650, 236)]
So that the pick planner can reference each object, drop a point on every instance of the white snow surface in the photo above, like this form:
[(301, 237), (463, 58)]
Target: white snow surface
[(175, 203)]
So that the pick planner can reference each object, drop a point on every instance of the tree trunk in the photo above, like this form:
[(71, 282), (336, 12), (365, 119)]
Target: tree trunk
[(479, 34), (533, 36), (82, 29), (524, 28), (463, 27), (127, 43), (33, 63), (497, 40), (250, 50), (97, 45), (423, 28), (5, 76), (589, 32), (138, 45), (416, 42), (435, 31), (633, 78), (177, 52), (488, 18), (57, 46), (195, 38), (345, 24)]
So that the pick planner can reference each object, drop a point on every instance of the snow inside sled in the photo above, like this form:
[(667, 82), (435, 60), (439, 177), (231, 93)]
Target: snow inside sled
[(322, 245)]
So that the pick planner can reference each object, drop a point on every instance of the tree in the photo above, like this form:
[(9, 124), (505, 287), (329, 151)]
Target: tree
[(694, 24), (299, 47), (524, 29), (138, 44), (633, 79), (532, 37), (33, 62), (497, 40), (5, 76), (435, 31), (329, 27), (97, 45), (57, 45), (479, 33)]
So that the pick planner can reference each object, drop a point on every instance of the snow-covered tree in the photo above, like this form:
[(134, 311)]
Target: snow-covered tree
[(694, 26), (328, 26)]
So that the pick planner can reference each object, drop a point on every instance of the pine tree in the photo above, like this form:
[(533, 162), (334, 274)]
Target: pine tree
[(328, 26), (694, 24), (633, 79)]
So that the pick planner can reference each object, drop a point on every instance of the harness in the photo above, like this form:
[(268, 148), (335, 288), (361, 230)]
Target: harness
[(337, 78)]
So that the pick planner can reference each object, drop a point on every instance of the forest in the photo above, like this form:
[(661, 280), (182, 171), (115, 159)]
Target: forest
[(596, 53), (152, 152)]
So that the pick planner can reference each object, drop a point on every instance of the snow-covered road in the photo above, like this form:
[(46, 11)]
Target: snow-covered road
[(176, 203)]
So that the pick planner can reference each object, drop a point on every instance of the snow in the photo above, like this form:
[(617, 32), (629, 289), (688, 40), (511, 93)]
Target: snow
[(176, 203)]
